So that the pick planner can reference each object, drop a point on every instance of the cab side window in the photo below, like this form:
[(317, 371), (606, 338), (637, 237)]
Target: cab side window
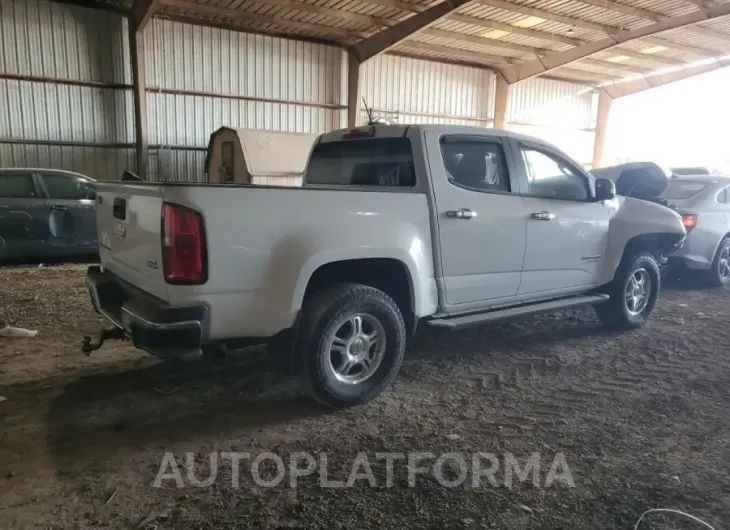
[(67, 188), (475, 163), (722, 196), (552, 177)]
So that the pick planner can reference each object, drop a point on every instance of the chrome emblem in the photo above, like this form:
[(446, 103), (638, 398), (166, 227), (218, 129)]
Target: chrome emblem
[(105, 241), (120, 231)]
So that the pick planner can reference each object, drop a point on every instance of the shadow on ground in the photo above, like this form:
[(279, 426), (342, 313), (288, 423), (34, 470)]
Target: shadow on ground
[(686, 282), (101, 416)]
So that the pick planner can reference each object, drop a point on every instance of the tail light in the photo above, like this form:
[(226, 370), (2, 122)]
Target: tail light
[(689, 220), (363, 132), (183, 245)]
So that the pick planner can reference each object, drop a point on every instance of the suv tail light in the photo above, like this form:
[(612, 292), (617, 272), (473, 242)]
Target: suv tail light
[(689, 220), (183, 245)]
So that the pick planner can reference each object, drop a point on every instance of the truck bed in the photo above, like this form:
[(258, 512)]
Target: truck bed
[(255, 238)]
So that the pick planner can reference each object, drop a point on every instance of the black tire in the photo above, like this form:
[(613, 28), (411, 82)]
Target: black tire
[(615, 313), (714, 275), (320, 320)]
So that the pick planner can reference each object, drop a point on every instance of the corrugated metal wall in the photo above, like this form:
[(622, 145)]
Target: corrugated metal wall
[(66, 100), (63, 104), (557, 111), (202, 78), (417, 91)]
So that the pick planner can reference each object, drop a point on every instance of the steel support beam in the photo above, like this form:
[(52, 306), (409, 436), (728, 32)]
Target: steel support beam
[(142, 11), (139, 80), (501, 98), (139, 16), (620, 89), (545, 64), (384, 40), (353, 90), (599, 141)]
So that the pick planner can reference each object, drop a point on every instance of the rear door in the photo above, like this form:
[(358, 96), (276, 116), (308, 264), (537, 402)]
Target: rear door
[(23, 216), (567, 231), (72, 220), (481, 217)]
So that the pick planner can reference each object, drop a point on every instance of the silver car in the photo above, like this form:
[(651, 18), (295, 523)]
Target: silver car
[(704, 203)]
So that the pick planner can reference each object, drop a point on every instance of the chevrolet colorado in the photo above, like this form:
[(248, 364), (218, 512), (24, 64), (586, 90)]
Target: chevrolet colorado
[(394, 225)]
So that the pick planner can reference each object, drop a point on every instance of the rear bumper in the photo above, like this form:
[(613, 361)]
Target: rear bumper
[(698, 251), (152, 325)]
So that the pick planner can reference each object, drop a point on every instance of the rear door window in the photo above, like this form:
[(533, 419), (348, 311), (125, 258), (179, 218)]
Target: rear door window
[(366, 162), (476, 164), (67, 187), (17, 186), (678, 190)]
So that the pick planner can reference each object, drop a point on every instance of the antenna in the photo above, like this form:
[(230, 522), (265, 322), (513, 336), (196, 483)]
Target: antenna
[(368, 110)]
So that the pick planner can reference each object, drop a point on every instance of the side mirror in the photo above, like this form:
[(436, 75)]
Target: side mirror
[(605, 189)]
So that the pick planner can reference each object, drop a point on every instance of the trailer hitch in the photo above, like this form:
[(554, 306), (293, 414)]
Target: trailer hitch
[(89, 345)]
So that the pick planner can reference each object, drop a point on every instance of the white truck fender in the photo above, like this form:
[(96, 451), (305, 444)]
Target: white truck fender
[(635, 218), (403, 244)]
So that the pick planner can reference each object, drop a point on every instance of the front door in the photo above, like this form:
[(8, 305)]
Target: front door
[(567, 231), (71, 212), (23, 216), (481, 218)]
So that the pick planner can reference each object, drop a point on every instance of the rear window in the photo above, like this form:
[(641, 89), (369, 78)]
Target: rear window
[(368, 162), (678, 190), (690, 171)]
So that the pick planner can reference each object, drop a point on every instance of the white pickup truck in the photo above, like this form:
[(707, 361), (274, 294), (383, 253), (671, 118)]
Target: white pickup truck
[(449, 226)]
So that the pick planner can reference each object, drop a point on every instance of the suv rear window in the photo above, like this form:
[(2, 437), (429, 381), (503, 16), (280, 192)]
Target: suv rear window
[(367, 162), (678, 190)]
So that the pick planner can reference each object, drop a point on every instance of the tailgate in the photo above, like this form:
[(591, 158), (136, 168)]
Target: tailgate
[(128, 220)]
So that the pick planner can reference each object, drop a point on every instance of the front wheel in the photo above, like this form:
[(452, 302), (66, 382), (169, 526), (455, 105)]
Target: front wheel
[(633, 293), (351, 343)]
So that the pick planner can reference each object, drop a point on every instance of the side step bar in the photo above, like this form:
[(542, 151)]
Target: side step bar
[(518, 311)]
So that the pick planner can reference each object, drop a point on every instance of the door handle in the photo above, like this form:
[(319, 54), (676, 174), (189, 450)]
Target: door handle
[(543, 216), (58, 208), (461, 213)]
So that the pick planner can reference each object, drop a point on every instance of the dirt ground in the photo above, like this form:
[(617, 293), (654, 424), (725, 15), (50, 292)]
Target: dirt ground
[(642, 420)]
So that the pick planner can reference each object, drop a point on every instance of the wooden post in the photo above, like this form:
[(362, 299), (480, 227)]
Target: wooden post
[(353, 90), (139, 82), (501, 97), (604, 109)]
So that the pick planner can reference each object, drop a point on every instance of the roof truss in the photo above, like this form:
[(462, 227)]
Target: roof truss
[(627, 88), (141, 13), (377, 34), (384, 40), (550, 62)]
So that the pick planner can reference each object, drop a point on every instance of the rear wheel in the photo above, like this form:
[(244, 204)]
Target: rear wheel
[(350, 346), (719, 273), (633, 293)]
